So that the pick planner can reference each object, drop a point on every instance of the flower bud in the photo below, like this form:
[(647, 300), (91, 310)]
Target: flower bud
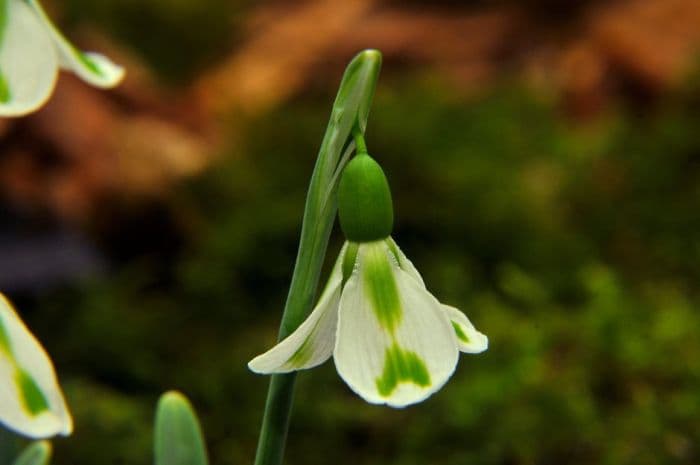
[(364, 201)]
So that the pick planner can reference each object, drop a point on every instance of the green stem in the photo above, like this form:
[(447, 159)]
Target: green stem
[(351, 107), (359, 138)]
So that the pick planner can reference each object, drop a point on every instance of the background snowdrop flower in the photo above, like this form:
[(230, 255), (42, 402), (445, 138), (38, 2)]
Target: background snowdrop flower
[(392, 342), (32, 50), (31, 402)]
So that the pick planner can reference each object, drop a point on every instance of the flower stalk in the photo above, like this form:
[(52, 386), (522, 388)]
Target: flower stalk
[(350, 110)]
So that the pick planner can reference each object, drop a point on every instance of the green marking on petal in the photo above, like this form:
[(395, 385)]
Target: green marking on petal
[(5, 94), (5, 345), (4, 7), (302, 354), (381, 286), (401, 366), (349, 261), (461, 335), (88, 62), (33, 399)]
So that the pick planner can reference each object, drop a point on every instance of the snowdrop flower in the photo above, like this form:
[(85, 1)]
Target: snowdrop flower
[(31, 402), (392, 342), (31, 52)]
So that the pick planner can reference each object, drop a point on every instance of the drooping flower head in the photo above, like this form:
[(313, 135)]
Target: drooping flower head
[(32, 50), (392, 342), (31, 402)]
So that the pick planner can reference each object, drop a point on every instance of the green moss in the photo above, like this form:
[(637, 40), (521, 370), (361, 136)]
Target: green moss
[(401, 366)]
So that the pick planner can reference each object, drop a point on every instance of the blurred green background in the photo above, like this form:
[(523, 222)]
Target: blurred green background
[(567, 231)]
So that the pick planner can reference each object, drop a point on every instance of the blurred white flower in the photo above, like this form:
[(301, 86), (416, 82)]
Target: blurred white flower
[(31, 402), (32, 50)]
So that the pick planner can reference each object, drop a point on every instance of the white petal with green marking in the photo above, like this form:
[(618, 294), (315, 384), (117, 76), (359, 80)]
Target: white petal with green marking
[(470, 340), (31, 402), (395, 345), (28, 62), (313, 341), (93, 68), (404, 263)]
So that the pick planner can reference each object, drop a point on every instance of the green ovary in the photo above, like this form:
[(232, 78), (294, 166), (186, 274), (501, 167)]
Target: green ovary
[(33, 399), (380, 286), (461, 335), (401, 366)]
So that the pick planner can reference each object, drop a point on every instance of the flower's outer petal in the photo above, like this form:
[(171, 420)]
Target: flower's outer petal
[(404, 262), (469, 339), (93, 68), (28, 62), (395, 345), (31, 402), (313, 341)]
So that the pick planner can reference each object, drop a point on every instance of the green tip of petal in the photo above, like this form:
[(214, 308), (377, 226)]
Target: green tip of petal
[(461, 335), (364, 201), (178, 436)]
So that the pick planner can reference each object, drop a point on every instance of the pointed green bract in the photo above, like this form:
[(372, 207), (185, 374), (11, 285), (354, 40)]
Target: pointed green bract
[(37, 453), (380, 286), (401, 366), (33, 398), (178, 436)]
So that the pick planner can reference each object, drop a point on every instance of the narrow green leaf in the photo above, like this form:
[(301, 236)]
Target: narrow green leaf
[(37, 453), (178, 436)]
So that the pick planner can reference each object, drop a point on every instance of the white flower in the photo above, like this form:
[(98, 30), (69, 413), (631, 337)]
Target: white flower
[(392, 342), (31, 402), (31, 52)]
